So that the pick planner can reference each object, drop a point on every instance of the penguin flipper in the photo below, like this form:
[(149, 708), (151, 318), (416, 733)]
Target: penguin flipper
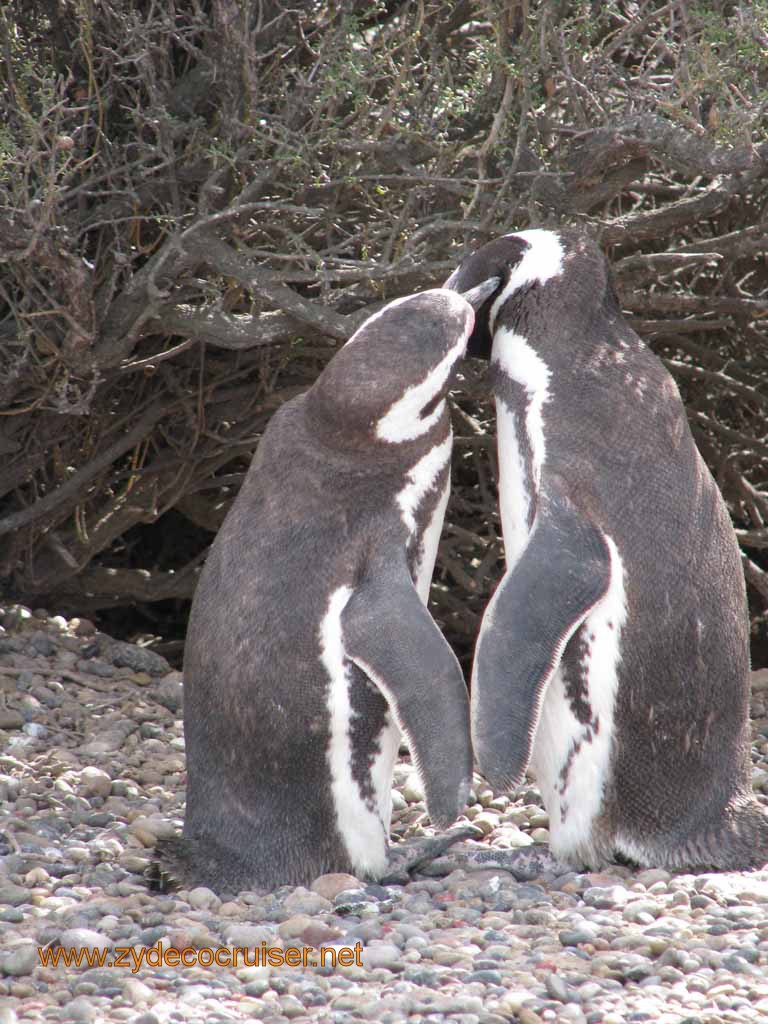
[(560, 576), (389, 634)]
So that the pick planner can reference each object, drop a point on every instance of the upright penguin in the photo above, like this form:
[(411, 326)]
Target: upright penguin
[(614, 654), (309, 648)]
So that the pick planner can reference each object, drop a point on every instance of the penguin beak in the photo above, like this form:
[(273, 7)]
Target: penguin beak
[(477, 296)]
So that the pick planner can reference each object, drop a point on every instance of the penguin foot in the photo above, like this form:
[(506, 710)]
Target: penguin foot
[(181, 863), (524, 863), (417, 854), (172, 866)]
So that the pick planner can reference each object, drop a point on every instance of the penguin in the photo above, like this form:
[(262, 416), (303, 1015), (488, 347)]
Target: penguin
[(613, 657), (310, 651)]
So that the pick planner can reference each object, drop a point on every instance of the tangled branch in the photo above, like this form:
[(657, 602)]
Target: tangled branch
[(177, 260)]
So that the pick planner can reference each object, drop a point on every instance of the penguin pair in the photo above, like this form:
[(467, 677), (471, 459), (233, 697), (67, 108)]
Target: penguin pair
[(613, 657), (310, 652)]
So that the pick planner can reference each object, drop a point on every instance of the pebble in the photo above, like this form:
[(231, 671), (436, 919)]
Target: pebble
[(136, 992), (203, 899), (83, 938), (11, 719), (305, 902), (140, 659), (329, 886), (248, 935), (383, 954), (13, 895), (606, 897), (81, 811), (95, 782), (80, 1009), (557, 988), (294, 926), (20, 961)]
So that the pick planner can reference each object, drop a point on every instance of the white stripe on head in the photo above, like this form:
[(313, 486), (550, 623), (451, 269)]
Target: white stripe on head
[(377, 316), (403, 421), (421, 479), (522, 364), (542, 260), (363, 830)]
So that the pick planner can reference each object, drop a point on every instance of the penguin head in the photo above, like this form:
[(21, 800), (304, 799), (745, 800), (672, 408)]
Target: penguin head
[(493, 262), (388, 383), (552, 276)]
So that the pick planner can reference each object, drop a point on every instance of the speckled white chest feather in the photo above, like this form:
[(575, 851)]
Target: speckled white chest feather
[(420, 481), (560, 736), (363, 829), (518, 486)]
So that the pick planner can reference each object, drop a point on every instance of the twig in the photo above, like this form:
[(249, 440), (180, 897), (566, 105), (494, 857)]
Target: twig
[(74, 485)]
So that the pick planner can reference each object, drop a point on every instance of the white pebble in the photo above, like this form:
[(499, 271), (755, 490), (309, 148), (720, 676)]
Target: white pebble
[(203, 899), (94, 782)]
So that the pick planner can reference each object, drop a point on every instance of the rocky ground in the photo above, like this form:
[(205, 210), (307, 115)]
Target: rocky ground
[(92, 771)]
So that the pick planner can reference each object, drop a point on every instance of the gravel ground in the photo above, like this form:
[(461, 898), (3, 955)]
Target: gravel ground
[(92, 771)]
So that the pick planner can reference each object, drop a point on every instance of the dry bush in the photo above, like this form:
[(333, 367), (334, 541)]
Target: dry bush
[(199, 201)]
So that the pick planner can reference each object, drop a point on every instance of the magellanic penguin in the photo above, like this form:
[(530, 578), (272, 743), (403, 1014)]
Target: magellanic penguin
[(310, 649), (613, 656)]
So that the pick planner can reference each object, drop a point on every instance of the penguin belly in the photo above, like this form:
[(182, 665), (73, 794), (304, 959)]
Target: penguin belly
[(360, 763), (572, 750)]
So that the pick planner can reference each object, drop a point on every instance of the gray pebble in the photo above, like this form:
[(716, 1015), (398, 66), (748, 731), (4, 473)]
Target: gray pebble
[(169, 692), (96, 667), (95, 782), (486, 976), (35, 730), (557, 988), (575, 936), (136, 992), (9, 788), (138, 659), (639, 972), (10, 718), (84, 938), (41, 643), (80, 1009), (606, 897), (470, 947), (249, 935), (641, 911), (302, 901), (20, 961), (13, 895), (384, 954)]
